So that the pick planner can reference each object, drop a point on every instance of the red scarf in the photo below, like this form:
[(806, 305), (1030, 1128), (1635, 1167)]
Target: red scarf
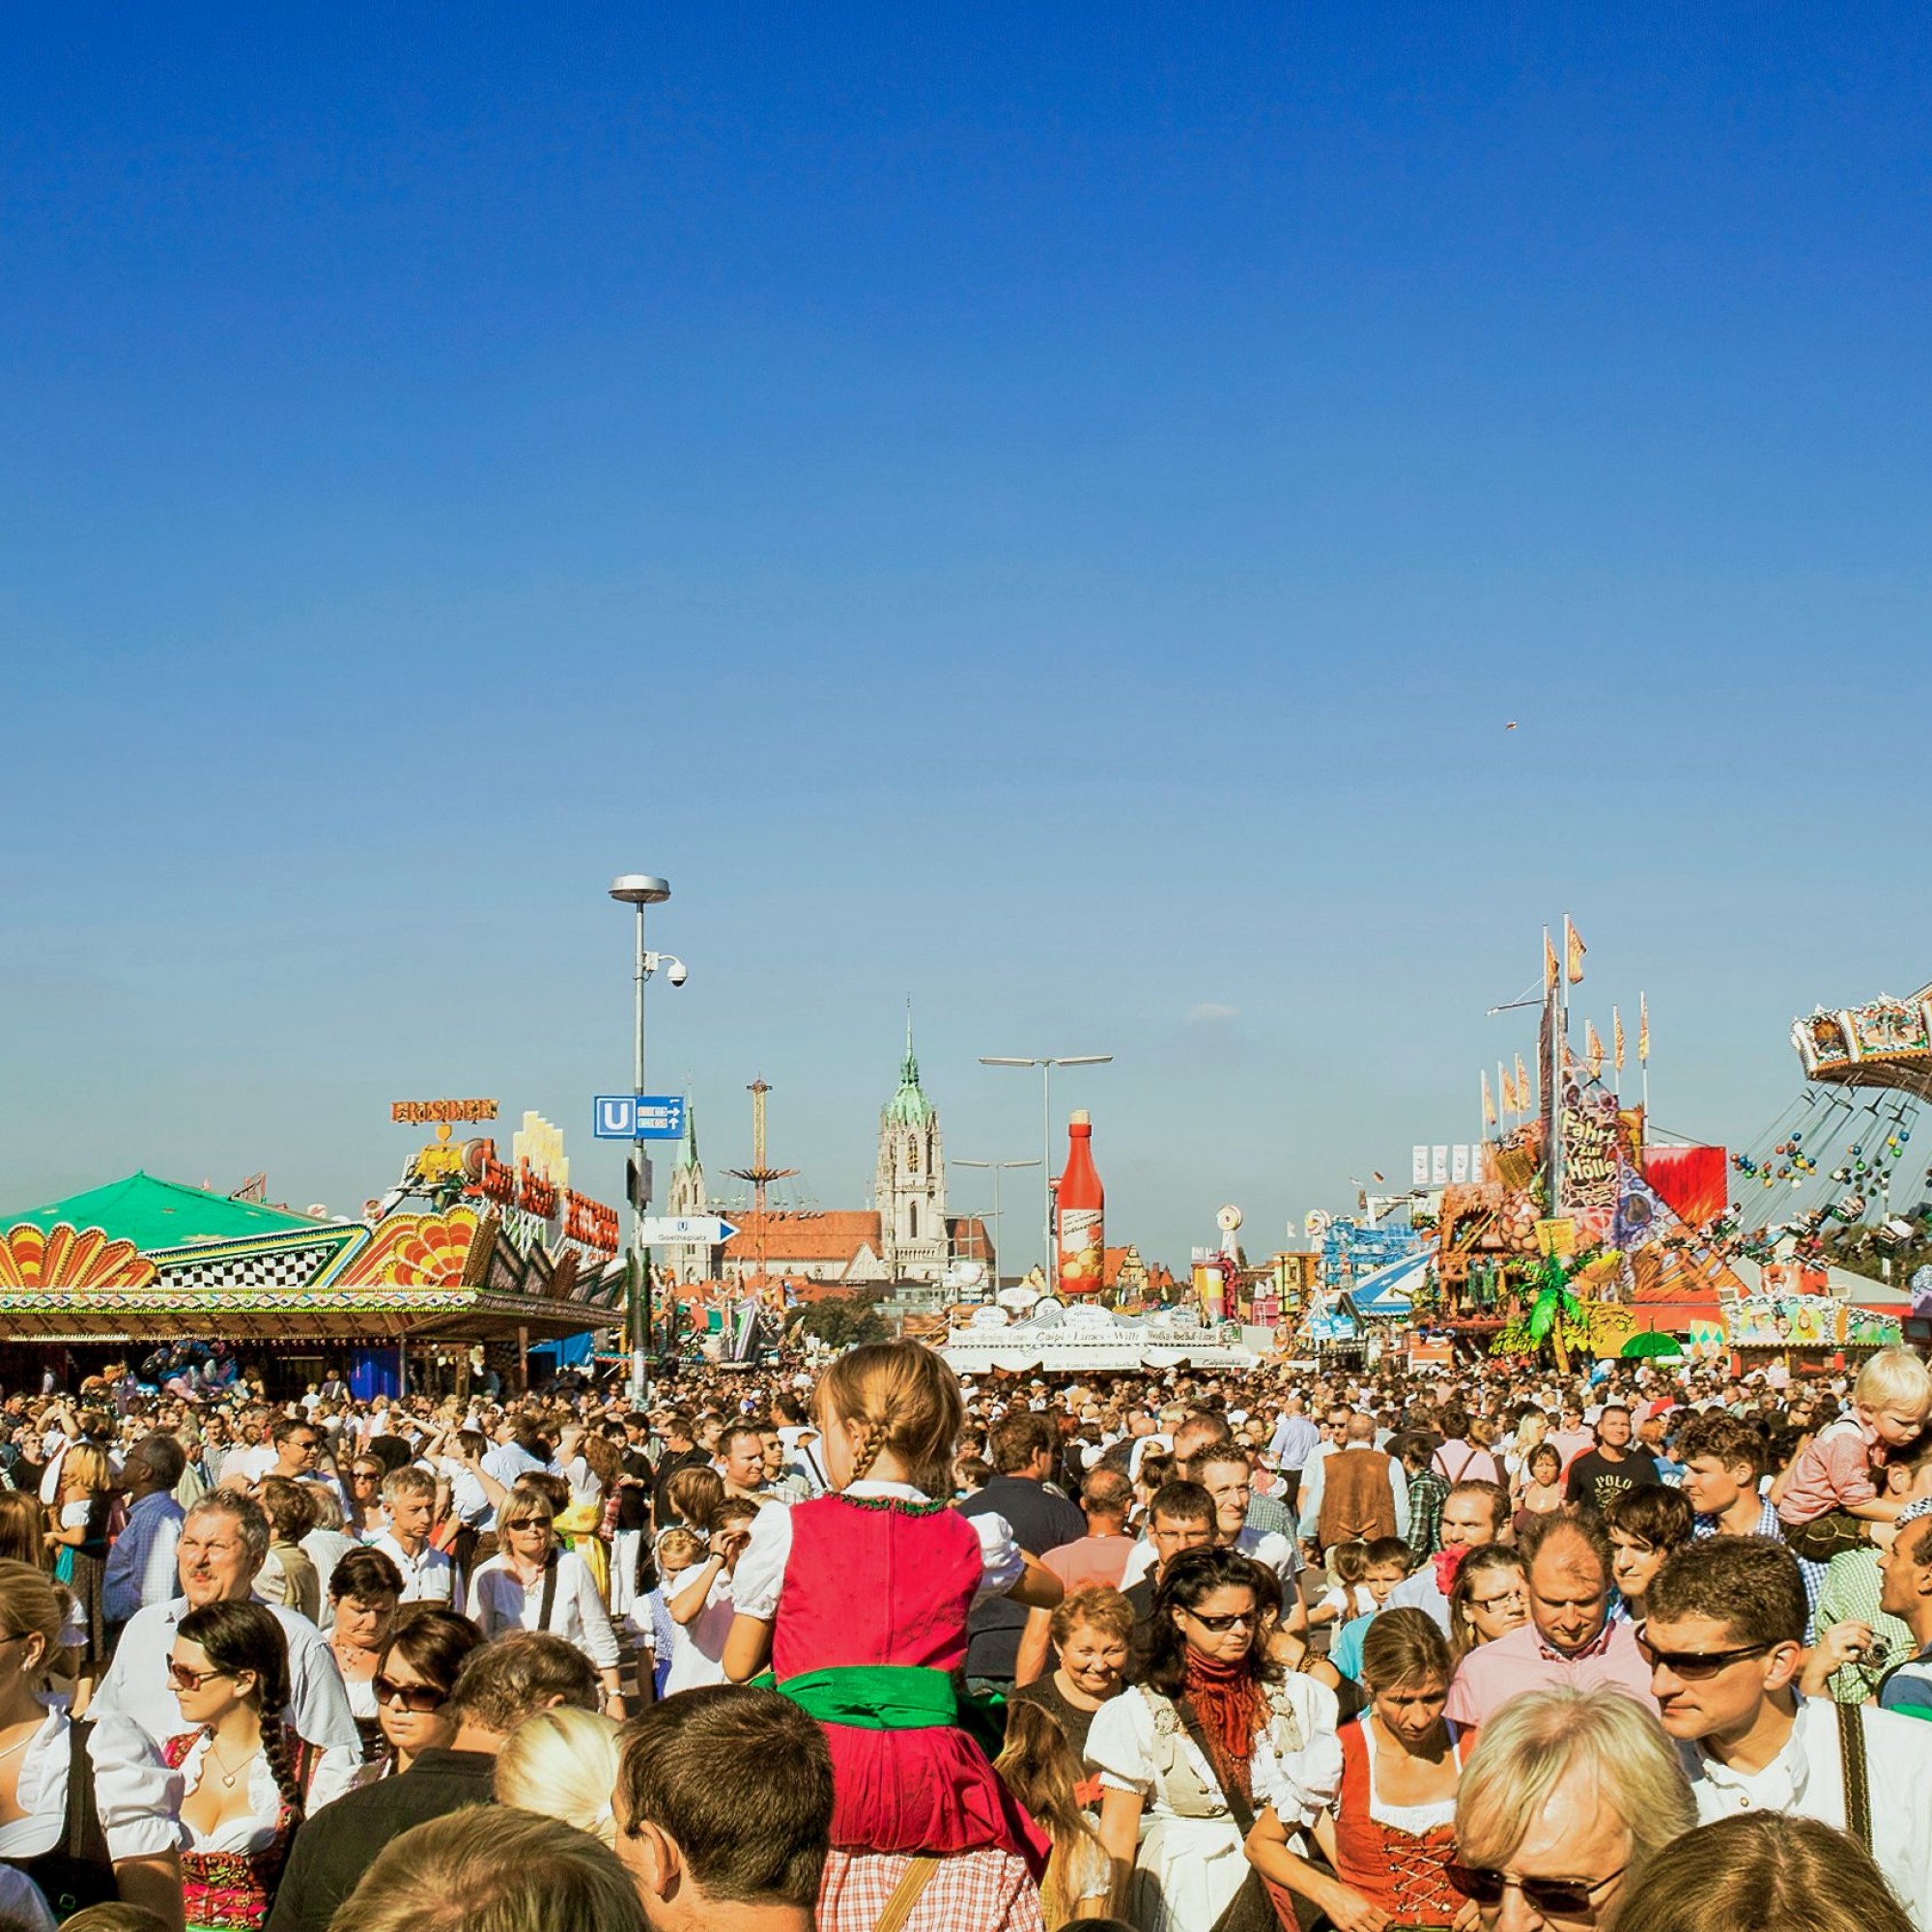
[(1228, 1701), (1448, 1563)]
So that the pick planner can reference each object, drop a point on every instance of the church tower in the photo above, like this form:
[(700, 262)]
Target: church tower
[(911, 1189), (689, 1260)]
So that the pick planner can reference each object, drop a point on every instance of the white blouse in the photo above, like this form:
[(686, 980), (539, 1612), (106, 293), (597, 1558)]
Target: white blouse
[(1299, 1781), (334, 1773), (760, 1573), (137, 1796), (499, 1601)]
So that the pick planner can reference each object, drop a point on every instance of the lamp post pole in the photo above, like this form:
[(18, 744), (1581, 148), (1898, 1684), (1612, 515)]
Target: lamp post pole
[(996, 1167), (640, 890), (1046, 1067)]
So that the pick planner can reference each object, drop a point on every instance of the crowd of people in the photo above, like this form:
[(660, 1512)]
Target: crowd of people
[(1637, 1648)]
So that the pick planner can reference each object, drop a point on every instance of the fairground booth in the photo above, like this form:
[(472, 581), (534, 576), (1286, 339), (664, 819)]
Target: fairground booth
[(468, 1262)]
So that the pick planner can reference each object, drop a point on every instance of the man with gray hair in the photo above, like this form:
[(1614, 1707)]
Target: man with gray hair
[(223, 1542), (141, 1564), (408, 1495)]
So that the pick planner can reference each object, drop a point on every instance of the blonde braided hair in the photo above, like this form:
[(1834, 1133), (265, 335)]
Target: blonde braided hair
[(904, 1399)]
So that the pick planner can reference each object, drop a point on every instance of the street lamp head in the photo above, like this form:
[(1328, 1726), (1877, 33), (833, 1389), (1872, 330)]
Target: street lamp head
[(995, 1059), (1085, 1060), (639, 888)]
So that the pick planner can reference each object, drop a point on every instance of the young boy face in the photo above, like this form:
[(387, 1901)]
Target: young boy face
[(1635, 1562), (1896, 1425), (1381, 1579)]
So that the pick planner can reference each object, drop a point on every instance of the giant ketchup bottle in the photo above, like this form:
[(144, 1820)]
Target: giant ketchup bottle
[(1082, 1213)]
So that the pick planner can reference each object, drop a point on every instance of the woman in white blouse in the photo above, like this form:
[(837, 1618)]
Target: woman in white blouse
[(135, 1795), (247, 1778), (1207, 1711), (532, 1584)]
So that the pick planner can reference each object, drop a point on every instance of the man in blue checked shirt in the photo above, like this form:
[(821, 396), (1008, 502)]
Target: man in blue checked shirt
[(140, 1566)]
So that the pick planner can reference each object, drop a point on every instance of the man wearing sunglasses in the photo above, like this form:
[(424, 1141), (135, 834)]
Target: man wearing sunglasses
[(1725, 1640)]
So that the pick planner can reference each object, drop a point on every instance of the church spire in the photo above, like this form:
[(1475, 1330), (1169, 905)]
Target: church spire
[(909, 1106), (687, 1150)]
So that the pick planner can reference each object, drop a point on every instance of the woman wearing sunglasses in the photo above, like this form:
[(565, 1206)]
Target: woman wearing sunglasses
[(414, 1676), (1390, 1831), (1212, 1732), (248, 1779), (1565, 1801), (364, 1517)]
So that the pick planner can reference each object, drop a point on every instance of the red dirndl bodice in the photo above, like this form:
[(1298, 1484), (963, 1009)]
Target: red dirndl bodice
[(1405, 1874), (879, 1580)]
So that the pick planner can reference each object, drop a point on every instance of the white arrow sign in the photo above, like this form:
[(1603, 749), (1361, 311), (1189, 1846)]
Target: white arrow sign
[(706, 1230)]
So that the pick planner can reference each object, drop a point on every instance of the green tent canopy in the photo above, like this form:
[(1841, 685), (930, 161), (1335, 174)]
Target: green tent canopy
[(1650, 1343), (157, 1215)]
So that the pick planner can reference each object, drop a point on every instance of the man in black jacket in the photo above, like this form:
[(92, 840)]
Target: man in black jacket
[(1040, 1518), (500, 1686)]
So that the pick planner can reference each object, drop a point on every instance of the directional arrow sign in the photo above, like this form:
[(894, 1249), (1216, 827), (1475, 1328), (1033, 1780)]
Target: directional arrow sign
[(706, 1230), (638, 1116)]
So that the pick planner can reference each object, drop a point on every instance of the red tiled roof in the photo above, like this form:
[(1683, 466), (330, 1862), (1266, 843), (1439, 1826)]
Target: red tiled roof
[(792, 1236)]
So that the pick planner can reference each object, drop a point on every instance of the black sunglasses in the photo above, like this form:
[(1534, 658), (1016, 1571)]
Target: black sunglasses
[(1550, 1897), (1694, 1666), (1241, 1619), (421, 1699)]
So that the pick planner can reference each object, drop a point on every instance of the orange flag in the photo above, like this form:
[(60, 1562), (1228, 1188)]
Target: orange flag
[(1575, 949), (1549, 965), (1618, 1037), (1489, 1105), (1521, 1086), (1592, 1049)]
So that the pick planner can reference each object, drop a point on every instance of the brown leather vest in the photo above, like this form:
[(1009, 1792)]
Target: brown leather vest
[(1357, 1498)]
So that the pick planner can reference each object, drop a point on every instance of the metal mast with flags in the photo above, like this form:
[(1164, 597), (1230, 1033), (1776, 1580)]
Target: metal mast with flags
[(1643, 1055)]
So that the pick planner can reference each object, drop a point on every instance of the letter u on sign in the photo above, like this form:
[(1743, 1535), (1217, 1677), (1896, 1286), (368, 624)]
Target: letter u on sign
[(616, 1115)]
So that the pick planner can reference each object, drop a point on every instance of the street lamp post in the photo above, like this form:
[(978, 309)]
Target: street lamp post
[(640, 890), (997, 1167), (1046, 1067)]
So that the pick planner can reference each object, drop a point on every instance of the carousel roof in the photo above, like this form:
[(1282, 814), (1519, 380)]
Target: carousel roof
[(158, 1214)]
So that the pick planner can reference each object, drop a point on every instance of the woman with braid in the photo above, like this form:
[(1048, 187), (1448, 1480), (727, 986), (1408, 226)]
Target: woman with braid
[(859, 1601), (249, 1780)]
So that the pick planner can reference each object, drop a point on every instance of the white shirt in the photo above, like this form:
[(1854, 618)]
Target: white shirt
[(254, 1463), (761, 1564), (499, 1600), (1264, 1546), (698, 1648), (334, 1773), (1299, 1783), (137, 1796), (1805, 1779), (428, 1579), (136, 1685), (1421, 1592)]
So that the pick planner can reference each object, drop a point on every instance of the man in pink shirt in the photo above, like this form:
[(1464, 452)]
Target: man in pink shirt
[(1568, 1639), (1100, 1557)]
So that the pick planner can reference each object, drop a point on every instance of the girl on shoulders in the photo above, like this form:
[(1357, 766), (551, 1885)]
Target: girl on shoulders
[(859, 1601)]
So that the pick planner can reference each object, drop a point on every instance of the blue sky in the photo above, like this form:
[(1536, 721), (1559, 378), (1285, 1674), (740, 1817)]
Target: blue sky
[(1046, 512)]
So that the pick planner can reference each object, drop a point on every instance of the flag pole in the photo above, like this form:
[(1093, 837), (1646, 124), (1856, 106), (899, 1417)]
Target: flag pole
[(1643, 1059)]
